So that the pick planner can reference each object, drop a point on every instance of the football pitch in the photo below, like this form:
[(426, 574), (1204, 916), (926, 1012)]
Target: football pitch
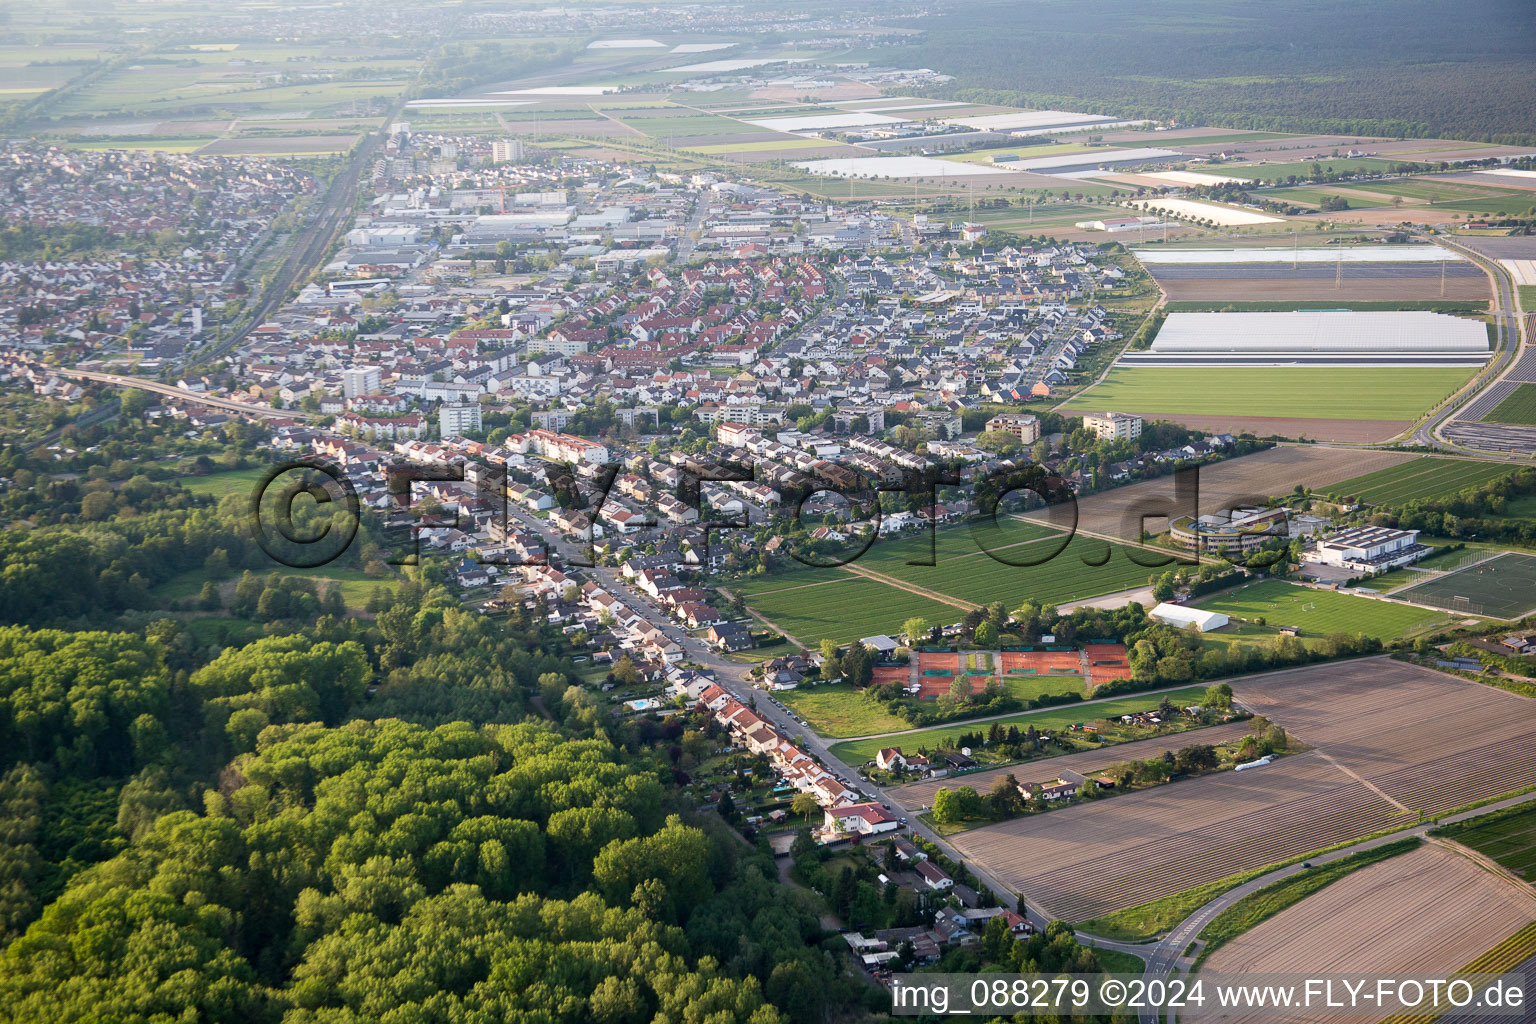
[(1320, 612), (1503, 587)]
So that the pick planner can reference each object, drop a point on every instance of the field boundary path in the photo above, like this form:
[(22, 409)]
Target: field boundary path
[(913, 588)]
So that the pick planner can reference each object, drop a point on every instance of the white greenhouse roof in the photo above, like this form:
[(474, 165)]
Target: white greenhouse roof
[(1321, 331)]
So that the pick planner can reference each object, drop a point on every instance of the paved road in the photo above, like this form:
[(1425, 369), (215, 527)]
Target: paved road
[(1428, 432), (211, 401)]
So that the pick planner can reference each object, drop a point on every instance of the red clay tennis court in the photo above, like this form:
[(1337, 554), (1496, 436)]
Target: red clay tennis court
[(1041, 662), (1106, 663), (889, 674)]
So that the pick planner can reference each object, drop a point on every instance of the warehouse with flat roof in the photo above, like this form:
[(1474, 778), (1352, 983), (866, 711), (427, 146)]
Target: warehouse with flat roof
[(1317, 337)]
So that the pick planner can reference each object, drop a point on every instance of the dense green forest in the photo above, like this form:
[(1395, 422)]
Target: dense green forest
[(1375, 67)]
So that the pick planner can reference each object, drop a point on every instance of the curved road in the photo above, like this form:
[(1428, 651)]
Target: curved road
[(1510, 345)]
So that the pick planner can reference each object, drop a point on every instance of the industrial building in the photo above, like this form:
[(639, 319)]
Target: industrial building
[(1329, 337), (1369, 549)]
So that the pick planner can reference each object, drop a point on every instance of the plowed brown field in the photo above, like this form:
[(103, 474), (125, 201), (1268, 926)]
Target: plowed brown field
[(1391, 740), (1421, 914)]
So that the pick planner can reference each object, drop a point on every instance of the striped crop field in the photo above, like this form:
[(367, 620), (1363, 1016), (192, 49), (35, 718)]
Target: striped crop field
[(1420, 478)]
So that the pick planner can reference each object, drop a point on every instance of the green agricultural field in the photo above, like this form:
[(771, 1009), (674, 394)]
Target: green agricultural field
[(845, 609), (768, 146), (1321, 612), (1519, 407), (1527, 297), (1290, 306), (834, 602), (837, 709), (685, 124), (1046, 720), (1300, 392), (1516, 205), (1419, 478), (1063, 573), (1303, 169), (1508, 837), (1429, 189), (1296, 195)]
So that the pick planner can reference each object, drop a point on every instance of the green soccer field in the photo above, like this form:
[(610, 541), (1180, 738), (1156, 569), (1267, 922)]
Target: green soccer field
[(1320, 612), (1503, 587), (1281, 391), (1518, 407)]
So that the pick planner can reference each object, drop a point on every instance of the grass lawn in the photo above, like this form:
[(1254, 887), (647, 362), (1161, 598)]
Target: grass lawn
[(236, 632), (1115, 962), (1301, 392), (1045, 720), (837, 709), (1519, 407), (1027, 687), (1320, 612), (1418, 479), (222, 485)]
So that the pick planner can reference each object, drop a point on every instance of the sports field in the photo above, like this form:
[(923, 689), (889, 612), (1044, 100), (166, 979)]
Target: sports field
[(1295, 392), (1419, 478), (1519, 407), (1503, 587), (1320, 612)]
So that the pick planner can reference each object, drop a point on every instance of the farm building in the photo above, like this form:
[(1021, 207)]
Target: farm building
[(1178, 616), (1332, 338)]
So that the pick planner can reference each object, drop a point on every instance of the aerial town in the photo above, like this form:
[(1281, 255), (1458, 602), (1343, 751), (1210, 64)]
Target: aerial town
[(752, 515)]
